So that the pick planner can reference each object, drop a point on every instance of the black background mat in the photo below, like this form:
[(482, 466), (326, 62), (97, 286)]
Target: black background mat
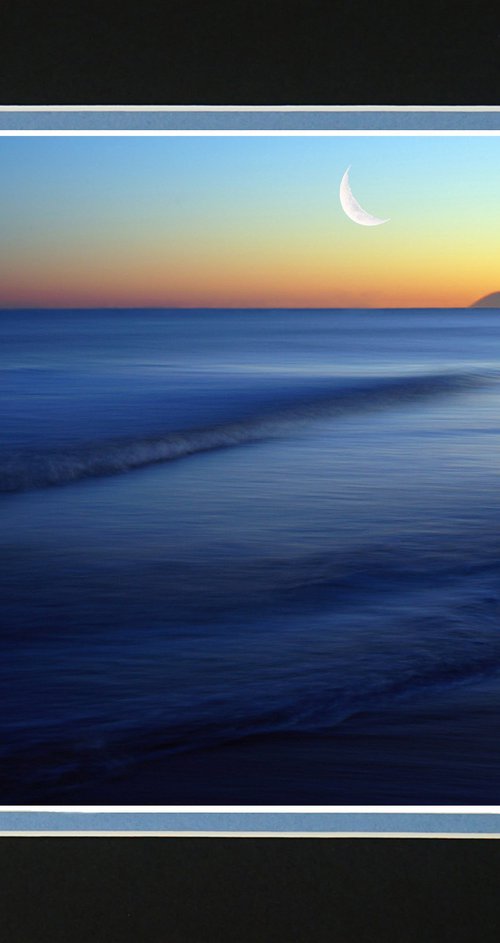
[(249, 890), (249, 52)]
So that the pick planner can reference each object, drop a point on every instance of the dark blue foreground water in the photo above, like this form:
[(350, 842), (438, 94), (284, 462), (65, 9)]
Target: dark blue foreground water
[(250, 557)]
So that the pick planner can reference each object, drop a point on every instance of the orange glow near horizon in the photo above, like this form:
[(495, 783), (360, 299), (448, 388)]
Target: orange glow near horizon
[(187, 222)]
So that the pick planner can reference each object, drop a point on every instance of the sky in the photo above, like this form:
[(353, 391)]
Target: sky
[(229, 221)]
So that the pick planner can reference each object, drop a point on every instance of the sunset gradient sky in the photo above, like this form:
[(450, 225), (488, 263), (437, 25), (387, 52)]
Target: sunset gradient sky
[(247, 221)]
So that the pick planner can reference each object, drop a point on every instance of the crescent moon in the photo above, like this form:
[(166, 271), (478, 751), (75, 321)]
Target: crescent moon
[(351, 207)]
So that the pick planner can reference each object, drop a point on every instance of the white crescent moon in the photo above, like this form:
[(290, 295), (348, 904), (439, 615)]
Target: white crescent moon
[(351, 207)]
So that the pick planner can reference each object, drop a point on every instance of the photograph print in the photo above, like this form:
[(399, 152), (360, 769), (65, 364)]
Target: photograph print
[(249, 464)]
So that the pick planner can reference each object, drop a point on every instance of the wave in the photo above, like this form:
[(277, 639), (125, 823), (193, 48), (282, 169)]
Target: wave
[(56, 760), (24, 471), (417, 643)]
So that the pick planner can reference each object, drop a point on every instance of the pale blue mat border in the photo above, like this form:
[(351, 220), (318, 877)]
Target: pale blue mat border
[(253, 120), (251, 822)]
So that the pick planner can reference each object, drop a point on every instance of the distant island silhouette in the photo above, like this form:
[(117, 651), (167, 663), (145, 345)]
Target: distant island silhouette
[(488, 301)]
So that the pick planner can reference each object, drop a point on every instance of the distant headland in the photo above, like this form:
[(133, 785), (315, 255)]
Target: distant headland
[(488, 301)]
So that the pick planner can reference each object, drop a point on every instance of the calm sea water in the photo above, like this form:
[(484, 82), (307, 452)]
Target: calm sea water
[(250, 556)]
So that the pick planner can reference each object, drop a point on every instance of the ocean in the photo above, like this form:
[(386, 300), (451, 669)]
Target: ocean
[(250, 556)]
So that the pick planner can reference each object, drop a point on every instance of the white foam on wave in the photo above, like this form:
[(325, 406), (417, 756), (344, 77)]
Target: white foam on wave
[(23, 470)]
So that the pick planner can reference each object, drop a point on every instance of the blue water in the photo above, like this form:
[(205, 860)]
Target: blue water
[(250, 556)]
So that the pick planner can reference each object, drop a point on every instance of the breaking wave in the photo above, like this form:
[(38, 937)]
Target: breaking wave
[(24, 470)]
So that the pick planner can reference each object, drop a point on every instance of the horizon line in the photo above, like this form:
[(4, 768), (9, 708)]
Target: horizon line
[(139, 307)]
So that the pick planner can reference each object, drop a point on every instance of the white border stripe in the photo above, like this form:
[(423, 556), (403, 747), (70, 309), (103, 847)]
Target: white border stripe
[(245, 133), (289, 809), (306, 109), (226, 834)]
